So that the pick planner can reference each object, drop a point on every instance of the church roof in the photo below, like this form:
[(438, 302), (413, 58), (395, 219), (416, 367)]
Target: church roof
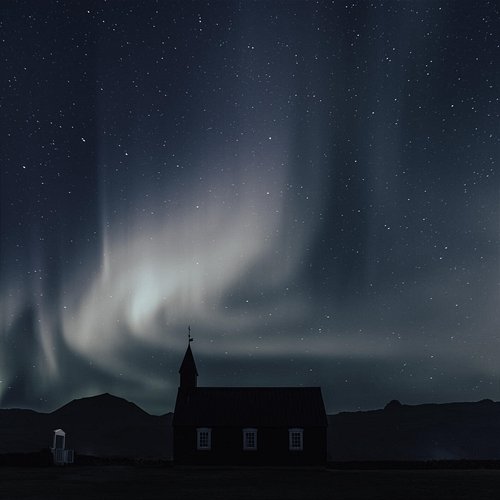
[(250, 406), (188, 364)]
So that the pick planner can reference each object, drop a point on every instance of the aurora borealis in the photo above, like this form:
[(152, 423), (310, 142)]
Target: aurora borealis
[(312, 186)]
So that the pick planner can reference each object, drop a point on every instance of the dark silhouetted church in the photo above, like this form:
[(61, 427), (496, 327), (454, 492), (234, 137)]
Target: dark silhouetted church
[(247, 425)]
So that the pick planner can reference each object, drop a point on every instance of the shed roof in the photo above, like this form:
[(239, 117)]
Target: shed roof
[(250, 406)]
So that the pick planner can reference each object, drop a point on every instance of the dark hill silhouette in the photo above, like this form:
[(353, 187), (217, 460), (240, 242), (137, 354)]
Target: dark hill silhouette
[(108, 426), (452, 431), (91, 407), (104, 425), (24, 431)]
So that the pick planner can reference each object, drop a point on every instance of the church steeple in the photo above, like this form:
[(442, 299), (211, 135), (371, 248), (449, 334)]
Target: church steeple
[(188, 370)]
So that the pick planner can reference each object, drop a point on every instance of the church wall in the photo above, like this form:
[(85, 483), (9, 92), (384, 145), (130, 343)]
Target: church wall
[(227, 447)]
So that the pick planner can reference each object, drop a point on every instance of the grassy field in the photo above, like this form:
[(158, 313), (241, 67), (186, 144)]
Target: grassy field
[(128, 482)]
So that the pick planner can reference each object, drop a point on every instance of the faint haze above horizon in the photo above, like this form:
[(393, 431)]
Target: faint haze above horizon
[(312, 186)]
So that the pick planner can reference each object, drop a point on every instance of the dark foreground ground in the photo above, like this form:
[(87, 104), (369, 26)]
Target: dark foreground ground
[(134, 482)]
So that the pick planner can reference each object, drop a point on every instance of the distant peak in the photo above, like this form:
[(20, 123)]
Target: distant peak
[(106, 395), (105, 401), (101, 397), (393, 405)]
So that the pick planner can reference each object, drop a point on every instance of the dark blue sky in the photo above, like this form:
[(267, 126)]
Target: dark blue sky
[(312, 186)]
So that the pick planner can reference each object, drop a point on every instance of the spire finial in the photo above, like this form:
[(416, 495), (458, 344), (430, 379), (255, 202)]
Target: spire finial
[(190, 339)]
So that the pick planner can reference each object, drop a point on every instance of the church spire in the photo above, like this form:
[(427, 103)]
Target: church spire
[(188, 370)]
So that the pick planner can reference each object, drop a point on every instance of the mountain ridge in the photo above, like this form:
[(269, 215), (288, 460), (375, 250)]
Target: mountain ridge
[(431, 431), (103, 425), (109, 426)]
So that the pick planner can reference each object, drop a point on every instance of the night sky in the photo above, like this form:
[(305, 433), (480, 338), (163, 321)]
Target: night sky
[(312, 186)]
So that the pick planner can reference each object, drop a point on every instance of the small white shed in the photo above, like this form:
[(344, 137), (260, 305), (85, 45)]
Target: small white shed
[(59, 452)]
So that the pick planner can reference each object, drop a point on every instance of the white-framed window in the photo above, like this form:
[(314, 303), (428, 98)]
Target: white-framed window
[(295, 439), (249, 439), (203, 438)]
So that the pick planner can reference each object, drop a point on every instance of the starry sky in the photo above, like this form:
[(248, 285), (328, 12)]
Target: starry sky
[(312, 186)]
